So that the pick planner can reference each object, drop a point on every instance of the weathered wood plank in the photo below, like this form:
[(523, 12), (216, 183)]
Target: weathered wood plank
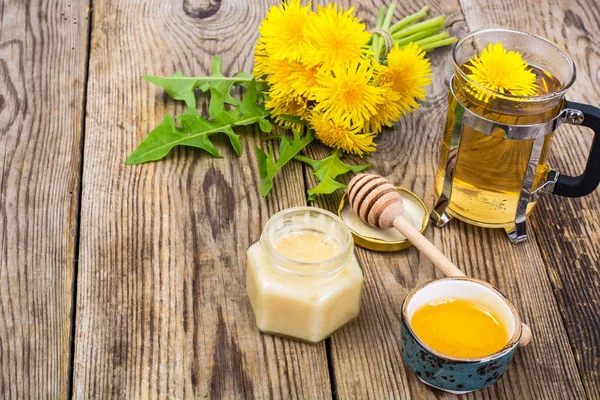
[(366, 354), (162, 309), (566, 229), (43, 51)]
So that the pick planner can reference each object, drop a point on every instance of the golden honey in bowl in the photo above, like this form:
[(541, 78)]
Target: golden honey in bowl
[(459, 328)]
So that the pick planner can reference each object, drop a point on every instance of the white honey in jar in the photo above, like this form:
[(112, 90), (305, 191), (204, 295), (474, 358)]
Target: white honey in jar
[(303, 279)]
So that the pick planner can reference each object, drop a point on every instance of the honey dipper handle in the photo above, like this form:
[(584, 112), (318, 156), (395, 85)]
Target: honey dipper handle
[(526, 335), (442, 262), (426, 247)]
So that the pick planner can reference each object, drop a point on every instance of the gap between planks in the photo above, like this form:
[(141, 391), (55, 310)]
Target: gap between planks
[(73, 314), (331, 369)]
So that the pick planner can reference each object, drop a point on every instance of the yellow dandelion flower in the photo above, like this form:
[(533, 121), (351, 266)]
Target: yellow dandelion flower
[(283, 31), (291, 78), (262, 62), (338, 38), (502, 71), (342, 134), (303, 80), (408, 73), (288, 105), (347, 93), (387, 112)]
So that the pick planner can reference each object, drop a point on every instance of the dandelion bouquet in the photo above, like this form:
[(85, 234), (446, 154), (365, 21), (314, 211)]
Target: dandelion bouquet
[(318, 73)]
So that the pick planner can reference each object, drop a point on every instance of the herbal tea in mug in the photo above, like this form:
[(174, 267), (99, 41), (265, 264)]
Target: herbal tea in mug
[(506, 98)]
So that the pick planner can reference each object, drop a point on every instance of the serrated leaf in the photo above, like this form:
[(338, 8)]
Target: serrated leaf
[(164, 137), (265, 125), (288, 149), (244, 78), (326, 186), (177, 86), (331, 166), (267, 170), (222, 86), (217, 65), (217, 110), (248, 105), (196, 130), (181, 87), (326, 170), (194, 124), (294, 119)]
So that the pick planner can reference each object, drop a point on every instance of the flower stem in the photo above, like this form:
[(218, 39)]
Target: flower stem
[(416, 36), (439, 43), (428, 34), (404, 22), (430, 23), (432, 39), (388, 16), (386, 24), (380, 18)]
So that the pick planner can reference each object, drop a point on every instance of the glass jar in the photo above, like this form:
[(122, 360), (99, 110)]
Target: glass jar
[(303, 278), (493, 160)]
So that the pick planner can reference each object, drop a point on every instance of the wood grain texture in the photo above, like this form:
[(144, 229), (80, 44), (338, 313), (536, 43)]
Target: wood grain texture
[(42, 75), (366, 354), (161, 304), (566, 229), (162, 310)]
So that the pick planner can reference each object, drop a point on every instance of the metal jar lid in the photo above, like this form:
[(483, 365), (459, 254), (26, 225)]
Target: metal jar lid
[(385, 240)]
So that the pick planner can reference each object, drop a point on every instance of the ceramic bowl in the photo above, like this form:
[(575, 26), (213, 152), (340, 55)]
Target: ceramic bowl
[(454, 374)]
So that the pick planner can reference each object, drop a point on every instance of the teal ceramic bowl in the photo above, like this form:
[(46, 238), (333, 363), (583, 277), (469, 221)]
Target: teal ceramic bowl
[(454, 374)]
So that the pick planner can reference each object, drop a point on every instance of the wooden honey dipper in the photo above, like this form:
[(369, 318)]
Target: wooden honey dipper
[(378, 203)]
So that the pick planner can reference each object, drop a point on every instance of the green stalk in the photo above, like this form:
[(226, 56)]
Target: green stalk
[(416, 36), (432, 39), (430, 23), (439, 43), (386, 24), (380, 18), (404, 22), (389, 15)]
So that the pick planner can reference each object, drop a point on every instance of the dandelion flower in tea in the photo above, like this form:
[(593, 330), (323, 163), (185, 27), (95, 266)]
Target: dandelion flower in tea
[(502, 71)]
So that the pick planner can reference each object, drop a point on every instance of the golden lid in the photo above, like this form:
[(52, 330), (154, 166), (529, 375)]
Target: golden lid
[(379, 239)]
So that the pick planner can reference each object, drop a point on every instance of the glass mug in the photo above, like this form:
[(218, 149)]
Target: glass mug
[(493, 159)]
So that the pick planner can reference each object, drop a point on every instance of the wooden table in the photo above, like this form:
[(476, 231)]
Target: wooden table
[(120, 281)]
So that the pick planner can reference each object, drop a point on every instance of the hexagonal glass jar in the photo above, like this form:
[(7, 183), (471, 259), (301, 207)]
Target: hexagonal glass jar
[(302, 298)]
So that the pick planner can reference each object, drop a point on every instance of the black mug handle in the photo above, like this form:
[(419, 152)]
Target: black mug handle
[(586, 183)]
